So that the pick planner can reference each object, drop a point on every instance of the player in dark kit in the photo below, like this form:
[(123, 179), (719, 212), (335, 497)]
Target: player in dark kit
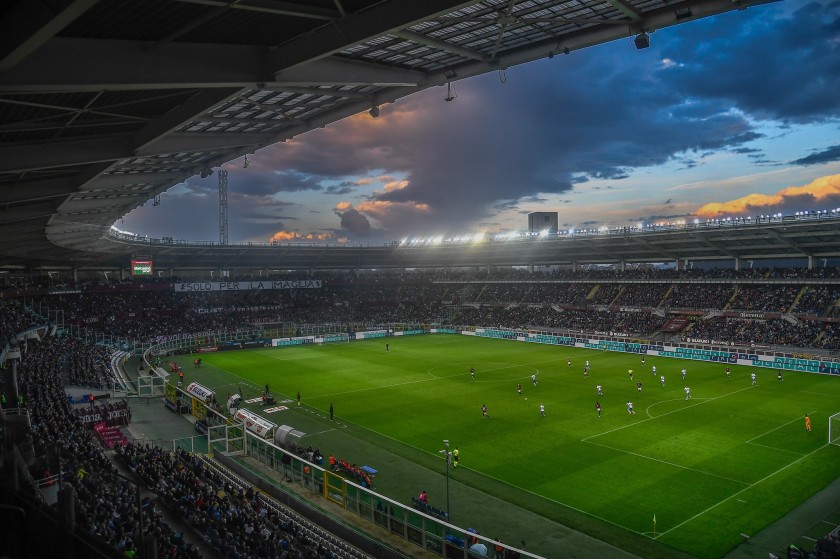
[(598, 408), (519, 388)]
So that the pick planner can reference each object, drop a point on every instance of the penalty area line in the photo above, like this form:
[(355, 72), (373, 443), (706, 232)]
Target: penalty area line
[(765, 478)]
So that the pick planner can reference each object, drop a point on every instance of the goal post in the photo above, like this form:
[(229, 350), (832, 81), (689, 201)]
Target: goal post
[(834, 429)]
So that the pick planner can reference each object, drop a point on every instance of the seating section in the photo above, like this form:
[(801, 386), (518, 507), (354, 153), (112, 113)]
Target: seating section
[(429, 509), (110, 436)]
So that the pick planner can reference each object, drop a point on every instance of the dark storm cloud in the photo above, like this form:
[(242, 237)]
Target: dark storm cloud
[(763, 62), (825, 156), (353, 222), (344, 187), (744, 150)]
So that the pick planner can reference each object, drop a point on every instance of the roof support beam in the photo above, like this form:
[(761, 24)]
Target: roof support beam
[(66, 64), (274, 7), (627, 9), (415, 37), (379, 20), (19, 158), (31, 23)]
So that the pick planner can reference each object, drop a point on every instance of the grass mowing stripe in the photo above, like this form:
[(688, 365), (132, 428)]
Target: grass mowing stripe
[(750, 486), (668, 463)]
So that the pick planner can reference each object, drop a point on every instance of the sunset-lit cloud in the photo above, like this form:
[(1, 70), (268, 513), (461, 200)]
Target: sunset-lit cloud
[(822, 193), (289, 236)]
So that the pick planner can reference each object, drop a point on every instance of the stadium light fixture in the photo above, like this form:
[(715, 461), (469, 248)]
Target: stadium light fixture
[(374, 111), (642, 40)]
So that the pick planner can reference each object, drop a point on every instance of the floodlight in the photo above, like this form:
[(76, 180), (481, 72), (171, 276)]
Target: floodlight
[(642, 40), (374, 111)]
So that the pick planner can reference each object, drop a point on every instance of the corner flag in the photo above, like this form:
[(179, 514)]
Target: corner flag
[(654, 525)]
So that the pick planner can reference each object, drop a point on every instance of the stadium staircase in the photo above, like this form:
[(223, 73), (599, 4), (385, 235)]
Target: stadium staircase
[(617, 295), (593, 291), (732, 298), (796, 299), (665, 297)]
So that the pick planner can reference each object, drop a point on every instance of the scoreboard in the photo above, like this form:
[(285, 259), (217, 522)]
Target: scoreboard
[(141, 267)]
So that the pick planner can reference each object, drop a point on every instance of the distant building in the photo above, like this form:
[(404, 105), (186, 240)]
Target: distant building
[(542, 221)]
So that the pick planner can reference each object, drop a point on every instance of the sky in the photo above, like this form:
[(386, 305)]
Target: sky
[(734, 115)]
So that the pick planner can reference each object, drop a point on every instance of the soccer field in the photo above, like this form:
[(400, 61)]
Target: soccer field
[(732, 459)]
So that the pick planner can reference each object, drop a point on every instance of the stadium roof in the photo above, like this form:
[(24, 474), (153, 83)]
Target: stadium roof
[(106, 104)]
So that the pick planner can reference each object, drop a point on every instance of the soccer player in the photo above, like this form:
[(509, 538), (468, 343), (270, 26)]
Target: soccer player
[(630, 372), (639, 386), (598, 408), (569, 361), (484, 410), (779, 376), (542, 410), (654, 370), (630, 409), (683, 373), (455, 457), (807, 423), (643, 360), (687, 393), (728, 372), (752, 377), (598, 388), (586, 372), (472, 373), (534, 379), (519, 388), (662, 380), (387, 347), (587, 363)]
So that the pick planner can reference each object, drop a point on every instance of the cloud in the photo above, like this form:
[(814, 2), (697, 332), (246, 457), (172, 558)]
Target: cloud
[(290, 236), (352, 221), (797, 82), (821, 193), (825, 156)]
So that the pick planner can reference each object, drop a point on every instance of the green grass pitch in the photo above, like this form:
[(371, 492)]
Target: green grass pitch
[(732, 459)]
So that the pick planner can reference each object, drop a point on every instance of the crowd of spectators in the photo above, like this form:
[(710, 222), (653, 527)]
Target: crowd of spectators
[(237, 522), (105, 503), (459, 297), (766, 298), (802, 334)]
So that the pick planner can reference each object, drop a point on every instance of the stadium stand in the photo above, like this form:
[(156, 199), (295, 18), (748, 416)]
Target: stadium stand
[(198, 493)]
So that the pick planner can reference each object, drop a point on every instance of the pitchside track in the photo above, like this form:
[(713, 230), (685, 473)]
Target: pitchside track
[(728, 461)]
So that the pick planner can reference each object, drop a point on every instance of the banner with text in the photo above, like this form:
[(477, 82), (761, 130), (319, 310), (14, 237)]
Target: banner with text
[(198, 286)]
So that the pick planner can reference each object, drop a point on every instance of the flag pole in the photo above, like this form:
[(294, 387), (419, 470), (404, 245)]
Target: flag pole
[(654, 525)]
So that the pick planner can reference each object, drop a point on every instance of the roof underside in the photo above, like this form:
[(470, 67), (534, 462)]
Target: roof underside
[(105, 104)]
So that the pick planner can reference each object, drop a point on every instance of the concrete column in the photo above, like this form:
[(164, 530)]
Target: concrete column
[(737, 264), (810, 262)]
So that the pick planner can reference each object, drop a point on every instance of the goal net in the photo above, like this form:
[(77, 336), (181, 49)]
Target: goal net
[(834, 429)]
